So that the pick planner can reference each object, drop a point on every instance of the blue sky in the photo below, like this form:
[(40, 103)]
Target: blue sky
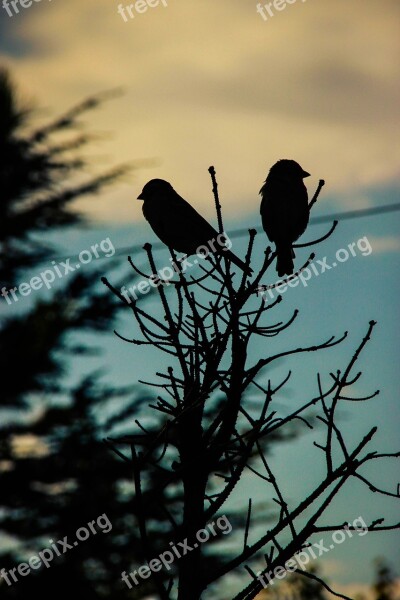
[(343, 298)]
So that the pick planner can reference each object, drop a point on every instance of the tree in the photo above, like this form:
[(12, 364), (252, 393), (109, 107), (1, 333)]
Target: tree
[(210, 435), (67, 476), (35, 197), (56, 472), (384, 586), (206, 424)]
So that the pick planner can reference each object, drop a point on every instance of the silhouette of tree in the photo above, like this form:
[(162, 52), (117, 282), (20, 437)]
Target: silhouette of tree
[(384, 585), (211, 433), (35, 172), (35, 197), (67, 482), (56, 474)]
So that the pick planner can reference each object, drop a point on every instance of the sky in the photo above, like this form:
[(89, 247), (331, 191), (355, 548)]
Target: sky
[(214, 83)]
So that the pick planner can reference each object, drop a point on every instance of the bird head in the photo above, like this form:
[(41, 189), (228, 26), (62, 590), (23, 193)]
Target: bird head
[(288, 169), (154, 189)]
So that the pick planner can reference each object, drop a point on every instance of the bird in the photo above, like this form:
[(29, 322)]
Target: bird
[(179, 226), (284, 210)]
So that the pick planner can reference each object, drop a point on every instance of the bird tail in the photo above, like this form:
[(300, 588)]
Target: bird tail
[(284, 259), (236, 261)]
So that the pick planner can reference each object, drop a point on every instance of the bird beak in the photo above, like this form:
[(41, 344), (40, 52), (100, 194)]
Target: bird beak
[(305, 174), (140, 197)]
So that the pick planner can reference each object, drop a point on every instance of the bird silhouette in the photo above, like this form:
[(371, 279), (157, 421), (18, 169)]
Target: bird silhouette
[(179, 225), (284, 210)]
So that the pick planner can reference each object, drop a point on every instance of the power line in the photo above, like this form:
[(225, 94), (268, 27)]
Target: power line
[(352, 214)]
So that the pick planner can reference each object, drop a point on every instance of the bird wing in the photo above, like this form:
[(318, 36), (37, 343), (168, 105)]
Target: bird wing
[(184, 228), (153, 213), (284, 211)]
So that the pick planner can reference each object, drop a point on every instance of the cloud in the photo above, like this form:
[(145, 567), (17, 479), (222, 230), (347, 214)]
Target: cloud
[(383, 245), (212, 83)]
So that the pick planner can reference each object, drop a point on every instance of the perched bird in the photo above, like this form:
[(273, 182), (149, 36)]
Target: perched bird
[(179, 225), (284, 210)]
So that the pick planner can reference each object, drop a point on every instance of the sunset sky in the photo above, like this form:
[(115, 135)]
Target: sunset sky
[(212, 83)]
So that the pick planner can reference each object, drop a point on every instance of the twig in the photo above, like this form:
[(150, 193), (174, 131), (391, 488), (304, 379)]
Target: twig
[(218, 207)]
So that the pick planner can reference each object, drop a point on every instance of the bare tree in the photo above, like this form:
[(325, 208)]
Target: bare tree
[(207, 328)]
